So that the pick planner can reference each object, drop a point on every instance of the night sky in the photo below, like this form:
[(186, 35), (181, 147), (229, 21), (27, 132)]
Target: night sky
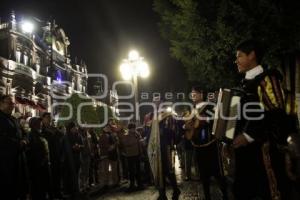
[(102, 32)]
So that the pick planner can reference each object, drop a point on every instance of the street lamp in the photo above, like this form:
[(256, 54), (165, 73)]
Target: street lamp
[(130, 69), (27, 27)]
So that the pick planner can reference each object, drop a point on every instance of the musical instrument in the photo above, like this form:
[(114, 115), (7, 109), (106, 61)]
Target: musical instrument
[(227, 112), (191, 121), (189, 126)]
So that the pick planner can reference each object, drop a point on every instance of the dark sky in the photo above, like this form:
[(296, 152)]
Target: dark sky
[(102, 32)]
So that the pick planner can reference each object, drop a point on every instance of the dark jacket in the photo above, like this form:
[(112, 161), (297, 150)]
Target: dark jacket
[(54, 139), (38, 151), (130, 143), (12, 157), (265, 90)]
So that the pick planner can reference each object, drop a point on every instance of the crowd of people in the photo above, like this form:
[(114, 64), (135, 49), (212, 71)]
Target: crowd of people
[(41, 161)]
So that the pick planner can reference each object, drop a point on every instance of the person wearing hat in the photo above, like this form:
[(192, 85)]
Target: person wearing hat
[(166, 128)]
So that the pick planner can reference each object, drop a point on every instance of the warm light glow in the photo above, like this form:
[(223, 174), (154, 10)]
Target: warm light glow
[(133, 55), (289, 140), (143, 70), (134, 66), (126, 71), (27, 27), (169, 109)]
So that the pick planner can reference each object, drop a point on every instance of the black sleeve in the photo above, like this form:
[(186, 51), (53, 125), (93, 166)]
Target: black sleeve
[(254, 116), (254, 126)]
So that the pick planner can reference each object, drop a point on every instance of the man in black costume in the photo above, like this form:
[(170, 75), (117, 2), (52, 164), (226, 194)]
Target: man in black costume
[(205, 145), (262, 132)]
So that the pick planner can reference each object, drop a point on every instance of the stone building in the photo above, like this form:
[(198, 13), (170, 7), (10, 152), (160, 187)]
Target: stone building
[(35, 65)]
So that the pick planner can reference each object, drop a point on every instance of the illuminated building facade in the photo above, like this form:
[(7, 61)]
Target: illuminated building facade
[(35, 65)]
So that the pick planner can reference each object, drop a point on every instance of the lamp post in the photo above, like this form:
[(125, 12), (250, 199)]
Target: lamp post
[(131, 68)]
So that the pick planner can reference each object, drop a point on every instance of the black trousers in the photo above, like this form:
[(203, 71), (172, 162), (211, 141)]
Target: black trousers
[(93, 172), (250, 176), (207, 159), (40, 183), (124, 163), (168, 172), (134, 170), (55, 179)]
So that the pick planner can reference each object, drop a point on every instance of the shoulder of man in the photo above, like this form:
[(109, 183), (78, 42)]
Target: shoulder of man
[(270, 73), (274, 95)]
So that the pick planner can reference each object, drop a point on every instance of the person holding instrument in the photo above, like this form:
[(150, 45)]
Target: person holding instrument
[(262, 133), (205, 145)]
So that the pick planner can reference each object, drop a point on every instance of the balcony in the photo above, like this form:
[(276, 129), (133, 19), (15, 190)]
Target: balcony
[(4, 26), (26, 70), (59, 88), (21, 69)]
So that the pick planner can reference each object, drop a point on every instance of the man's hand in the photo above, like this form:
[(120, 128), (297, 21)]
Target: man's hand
[(240, 141)]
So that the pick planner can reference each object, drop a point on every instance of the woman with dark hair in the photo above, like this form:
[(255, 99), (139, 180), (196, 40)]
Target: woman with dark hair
[(72, 145)]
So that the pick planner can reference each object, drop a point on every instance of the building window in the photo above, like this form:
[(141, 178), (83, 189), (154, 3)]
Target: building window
[(4, 47), (25, 59), (18, 56)]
